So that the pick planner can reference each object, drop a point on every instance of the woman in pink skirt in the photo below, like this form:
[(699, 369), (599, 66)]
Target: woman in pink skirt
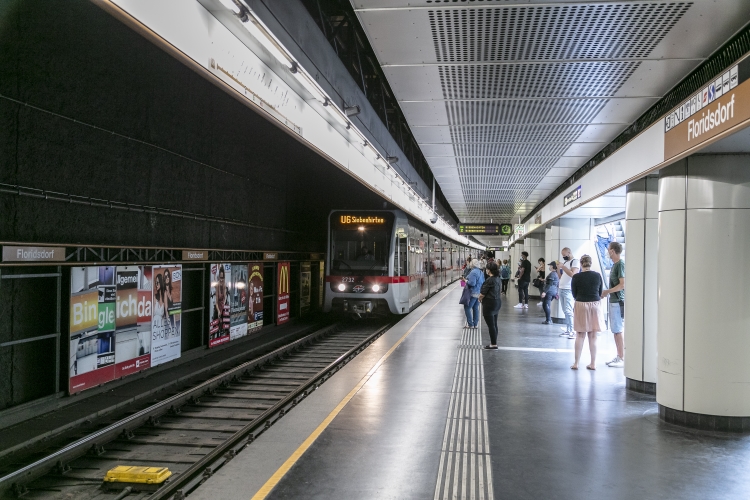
[(586, 288)]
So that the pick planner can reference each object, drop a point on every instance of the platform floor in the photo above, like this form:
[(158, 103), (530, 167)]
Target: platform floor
[(415, 425)]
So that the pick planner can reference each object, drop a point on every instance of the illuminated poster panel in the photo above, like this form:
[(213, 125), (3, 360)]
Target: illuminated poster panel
[(220, 318), (92, 327), (282, 291), (133, 331), (166, 317), (238, 302), (255, 307)]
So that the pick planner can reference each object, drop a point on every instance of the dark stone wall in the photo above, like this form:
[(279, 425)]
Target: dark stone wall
[(90, 109)]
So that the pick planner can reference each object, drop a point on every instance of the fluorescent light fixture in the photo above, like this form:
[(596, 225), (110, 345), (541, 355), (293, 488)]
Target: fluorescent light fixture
[(229, 4), (260, 32), (310, 86)]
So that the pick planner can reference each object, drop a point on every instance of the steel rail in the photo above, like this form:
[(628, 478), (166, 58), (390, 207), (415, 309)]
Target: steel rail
[(201, 470), (59, 459)]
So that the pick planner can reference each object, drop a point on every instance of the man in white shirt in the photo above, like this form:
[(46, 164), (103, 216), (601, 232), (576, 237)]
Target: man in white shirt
[(567, 269)]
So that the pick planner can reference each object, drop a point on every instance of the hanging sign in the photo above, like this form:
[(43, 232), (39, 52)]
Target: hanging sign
[(520, 229), (282, 293), (572, 196), (479, 229)]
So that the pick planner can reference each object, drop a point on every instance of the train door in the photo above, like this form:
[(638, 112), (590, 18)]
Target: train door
[(444, 261), (432, 269), (401, 269)]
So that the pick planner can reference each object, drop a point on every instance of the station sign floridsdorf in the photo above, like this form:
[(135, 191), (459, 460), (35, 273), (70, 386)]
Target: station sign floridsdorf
[(722, 104)]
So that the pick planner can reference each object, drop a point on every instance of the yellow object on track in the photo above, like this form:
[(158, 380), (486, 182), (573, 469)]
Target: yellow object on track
[(137, 475)]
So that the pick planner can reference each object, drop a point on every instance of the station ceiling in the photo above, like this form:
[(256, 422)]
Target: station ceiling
[(507, 98)]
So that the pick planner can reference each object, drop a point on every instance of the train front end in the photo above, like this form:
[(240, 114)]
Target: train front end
[(358, 280)]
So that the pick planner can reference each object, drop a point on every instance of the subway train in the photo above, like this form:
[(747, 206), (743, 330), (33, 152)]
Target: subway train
[(384, 262)]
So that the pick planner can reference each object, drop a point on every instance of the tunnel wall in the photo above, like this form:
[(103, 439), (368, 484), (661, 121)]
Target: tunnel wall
[(105, 139)]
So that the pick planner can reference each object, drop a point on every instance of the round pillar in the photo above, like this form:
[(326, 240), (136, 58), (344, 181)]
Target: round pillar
[(703, 280), (641, 213)]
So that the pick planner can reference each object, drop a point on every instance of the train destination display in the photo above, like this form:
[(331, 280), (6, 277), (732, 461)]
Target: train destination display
[(479, 229)]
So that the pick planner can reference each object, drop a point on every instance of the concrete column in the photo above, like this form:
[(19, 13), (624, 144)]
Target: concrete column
[(703, 281), (534, 244), (575, 234), (642, 215)]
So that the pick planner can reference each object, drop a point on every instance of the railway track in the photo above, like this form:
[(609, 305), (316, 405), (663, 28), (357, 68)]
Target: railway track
[(195, 432)]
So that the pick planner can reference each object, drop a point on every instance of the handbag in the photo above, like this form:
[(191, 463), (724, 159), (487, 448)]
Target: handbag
[(538, 283), (465, 297)]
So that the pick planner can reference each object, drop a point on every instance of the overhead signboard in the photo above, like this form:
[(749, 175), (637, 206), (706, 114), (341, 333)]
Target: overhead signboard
[(572, 196), (479, 229), (520, 229), (506, 229), (722, 104)]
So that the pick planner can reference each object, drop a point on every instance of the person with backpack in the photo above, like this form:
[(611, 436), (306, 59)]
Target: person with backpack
[(505, 276)]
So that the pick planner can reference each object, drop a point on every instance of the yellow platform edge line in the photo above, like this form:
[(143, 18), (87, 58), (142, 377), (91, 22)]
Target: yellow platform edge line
[(281, 471)]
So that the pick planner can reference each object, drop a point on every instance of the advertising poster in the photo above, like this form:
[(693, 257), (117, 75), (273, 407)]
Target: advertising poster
[(305, 288), (220, 316), (166, 306), (238, 302), (283, 289), (255, 306), (92, 327), (133, 324)]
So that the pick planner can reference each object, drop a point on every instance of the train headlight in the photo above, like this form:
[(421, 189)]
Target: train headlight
[(342, 287), (375, 288)]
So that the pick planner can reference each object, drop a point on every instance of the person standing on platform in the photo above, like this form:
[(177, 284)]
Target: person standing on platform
[(490, 298), (505, 276), (567, 269), (586, 288), (474, 281), (539, 280), (616, 293), (550, 291), (467, 267), (524, 278)]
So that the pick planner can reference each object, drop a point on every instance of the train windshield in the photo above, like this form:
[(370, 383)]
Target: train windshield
[(360, 244)]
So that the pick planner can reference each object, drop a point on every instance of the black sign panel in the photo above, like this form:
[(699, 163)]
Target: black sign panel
[(506, 229), (572, 196), (479, 229)]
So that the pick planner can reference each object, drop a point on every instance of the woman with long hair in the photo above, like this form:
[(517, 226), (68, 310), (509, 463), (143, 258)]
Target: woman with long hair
[(158, 305), (586, 287), (168, 303)]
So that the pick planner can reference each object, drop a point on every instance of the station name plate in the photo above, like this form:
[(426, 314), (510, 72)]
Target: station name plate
[(194, 255), (33, 254)]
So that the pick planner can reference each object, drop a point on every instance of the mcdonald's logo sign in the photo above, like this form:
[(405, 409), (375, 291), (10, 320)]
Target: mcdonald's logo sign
[(282, 293), (283, 277)]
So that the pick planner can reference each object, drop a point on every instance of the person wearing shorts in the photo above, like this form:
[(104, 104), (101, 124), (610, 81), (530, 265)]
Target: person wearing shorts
[(616, 293)]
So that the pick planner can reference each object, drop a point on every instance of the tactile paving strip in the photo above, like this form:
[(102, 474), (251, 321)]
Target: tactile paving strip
[(465, 470)]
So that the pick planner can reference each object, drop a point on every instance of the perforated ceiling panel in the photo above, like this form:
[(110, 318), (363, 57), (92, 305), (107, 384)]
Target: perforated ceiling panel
[(563, 32), (523, 89)]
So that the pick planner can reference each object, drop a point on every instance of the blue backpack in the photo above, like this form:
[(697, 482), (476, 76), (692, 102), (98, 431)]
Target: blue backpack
[(505, 272)]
